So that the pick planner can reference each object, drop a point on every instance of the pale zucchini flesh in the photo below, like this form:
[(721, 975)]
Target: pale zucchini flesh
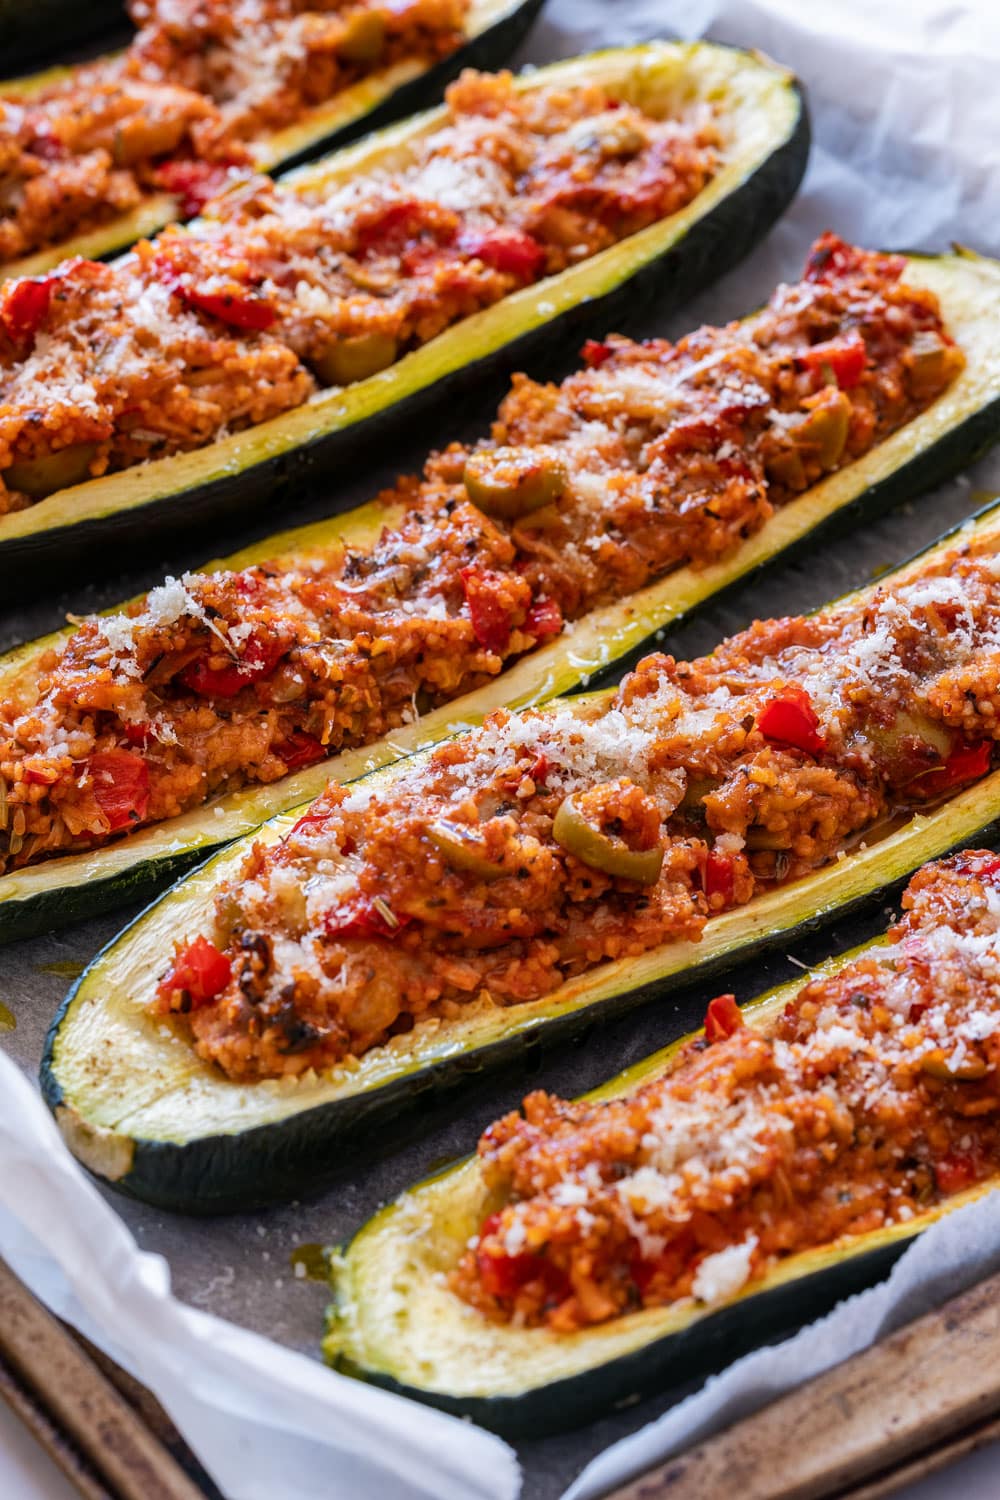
[(193, 1139), (965, 418)]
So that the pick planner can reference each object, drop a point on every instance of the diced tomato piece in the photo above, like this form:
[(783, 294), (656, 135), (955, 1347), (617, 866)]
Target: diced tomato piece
[(300, 749), (594, 353), (983, 865), (45, 144), (259, 658), (829, 257), (955, 1171), (845, 358), (139, 735), (41, 775), (391, 231), (120, 782), (722, 1018), (491, 621), (539, 769), (250, 313), (25, 306), (669, 1264), (362, 918), (965, 763), (790, 719), (200, 970), (193, 182), (719, 876), (504, 249), (543, 619), (503, 1275)]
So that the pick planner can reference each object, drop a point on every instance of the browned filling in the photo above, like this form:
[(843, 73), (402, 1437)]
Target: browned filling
[(536, 848), (871, 1098), (653, 455)]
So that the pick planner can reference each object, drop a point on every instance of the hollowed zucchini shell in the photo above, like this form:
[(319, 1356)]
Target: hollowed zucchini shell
[(394, 1322), (495, 29), (949, 434), (138, 1106), (764, 154)]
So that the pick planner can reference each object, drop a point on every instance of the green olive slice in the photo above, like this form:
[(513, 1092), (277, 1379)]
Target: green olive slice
[(463, 850), (697, 789), (513, 482), (907, 725), (350, 360), (601, 851), (929, 363), (825, 429), (936, 1065), (363, 41), (42, 476)]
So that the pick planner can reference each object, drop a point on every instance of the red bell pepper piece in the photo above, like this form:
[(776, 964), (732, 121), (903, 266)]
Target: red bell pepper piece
[(249, 313), (41, 775), (845, 358), (594, 353), (491, 621), (722, 1018), (300, 749), (504, 1275), (790, 719), (965, 763), (25, 306), (539, 769), (362, 918), (504, 249), (393, 230), (955, 1171), (193, 182), (120, 782), (259, 658), (719, 875), (543, 619), (199, 969)]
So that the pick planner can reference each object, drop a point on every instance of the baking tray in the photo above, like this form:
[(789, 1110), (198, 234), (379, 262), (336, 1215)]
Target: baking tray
[(248, 1267)]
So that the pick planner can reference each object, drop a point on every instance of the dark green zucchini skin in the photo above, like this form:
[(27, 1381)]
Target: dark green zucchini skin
[(44, 31), (701, 1349), (713, 245), (50, 911), (304, 1154)]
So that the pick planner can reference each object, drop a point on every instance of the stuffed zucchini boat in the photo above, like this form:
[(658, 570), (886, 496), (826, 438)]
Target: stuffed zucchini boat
[(528, 877), (461, 239), (104, 152), (709, 1198), (599, 512), (30, 29)]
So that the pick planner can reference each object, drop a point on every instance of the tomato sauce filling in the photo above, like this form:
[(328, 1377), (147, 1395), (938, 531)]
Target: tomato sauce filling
[(653, 455), (871, 1099), (279, 293), (538, 847), (180, 109)]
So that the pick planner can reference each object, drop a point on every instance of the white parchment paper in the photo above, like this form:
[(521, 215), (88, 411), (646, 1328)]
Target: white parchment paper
[(906, 114)]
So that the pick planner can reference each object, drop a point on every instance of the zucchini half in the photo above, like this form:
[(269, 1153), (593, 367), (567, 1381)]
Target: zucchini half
[(395, 1323), (928, 450), (494, 29), (139, 1108), (767, 138)]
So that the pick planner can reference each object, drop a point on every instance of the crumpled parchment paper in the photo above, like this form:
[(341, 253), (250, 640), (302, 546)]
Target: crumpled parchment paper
[(906, 121)]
